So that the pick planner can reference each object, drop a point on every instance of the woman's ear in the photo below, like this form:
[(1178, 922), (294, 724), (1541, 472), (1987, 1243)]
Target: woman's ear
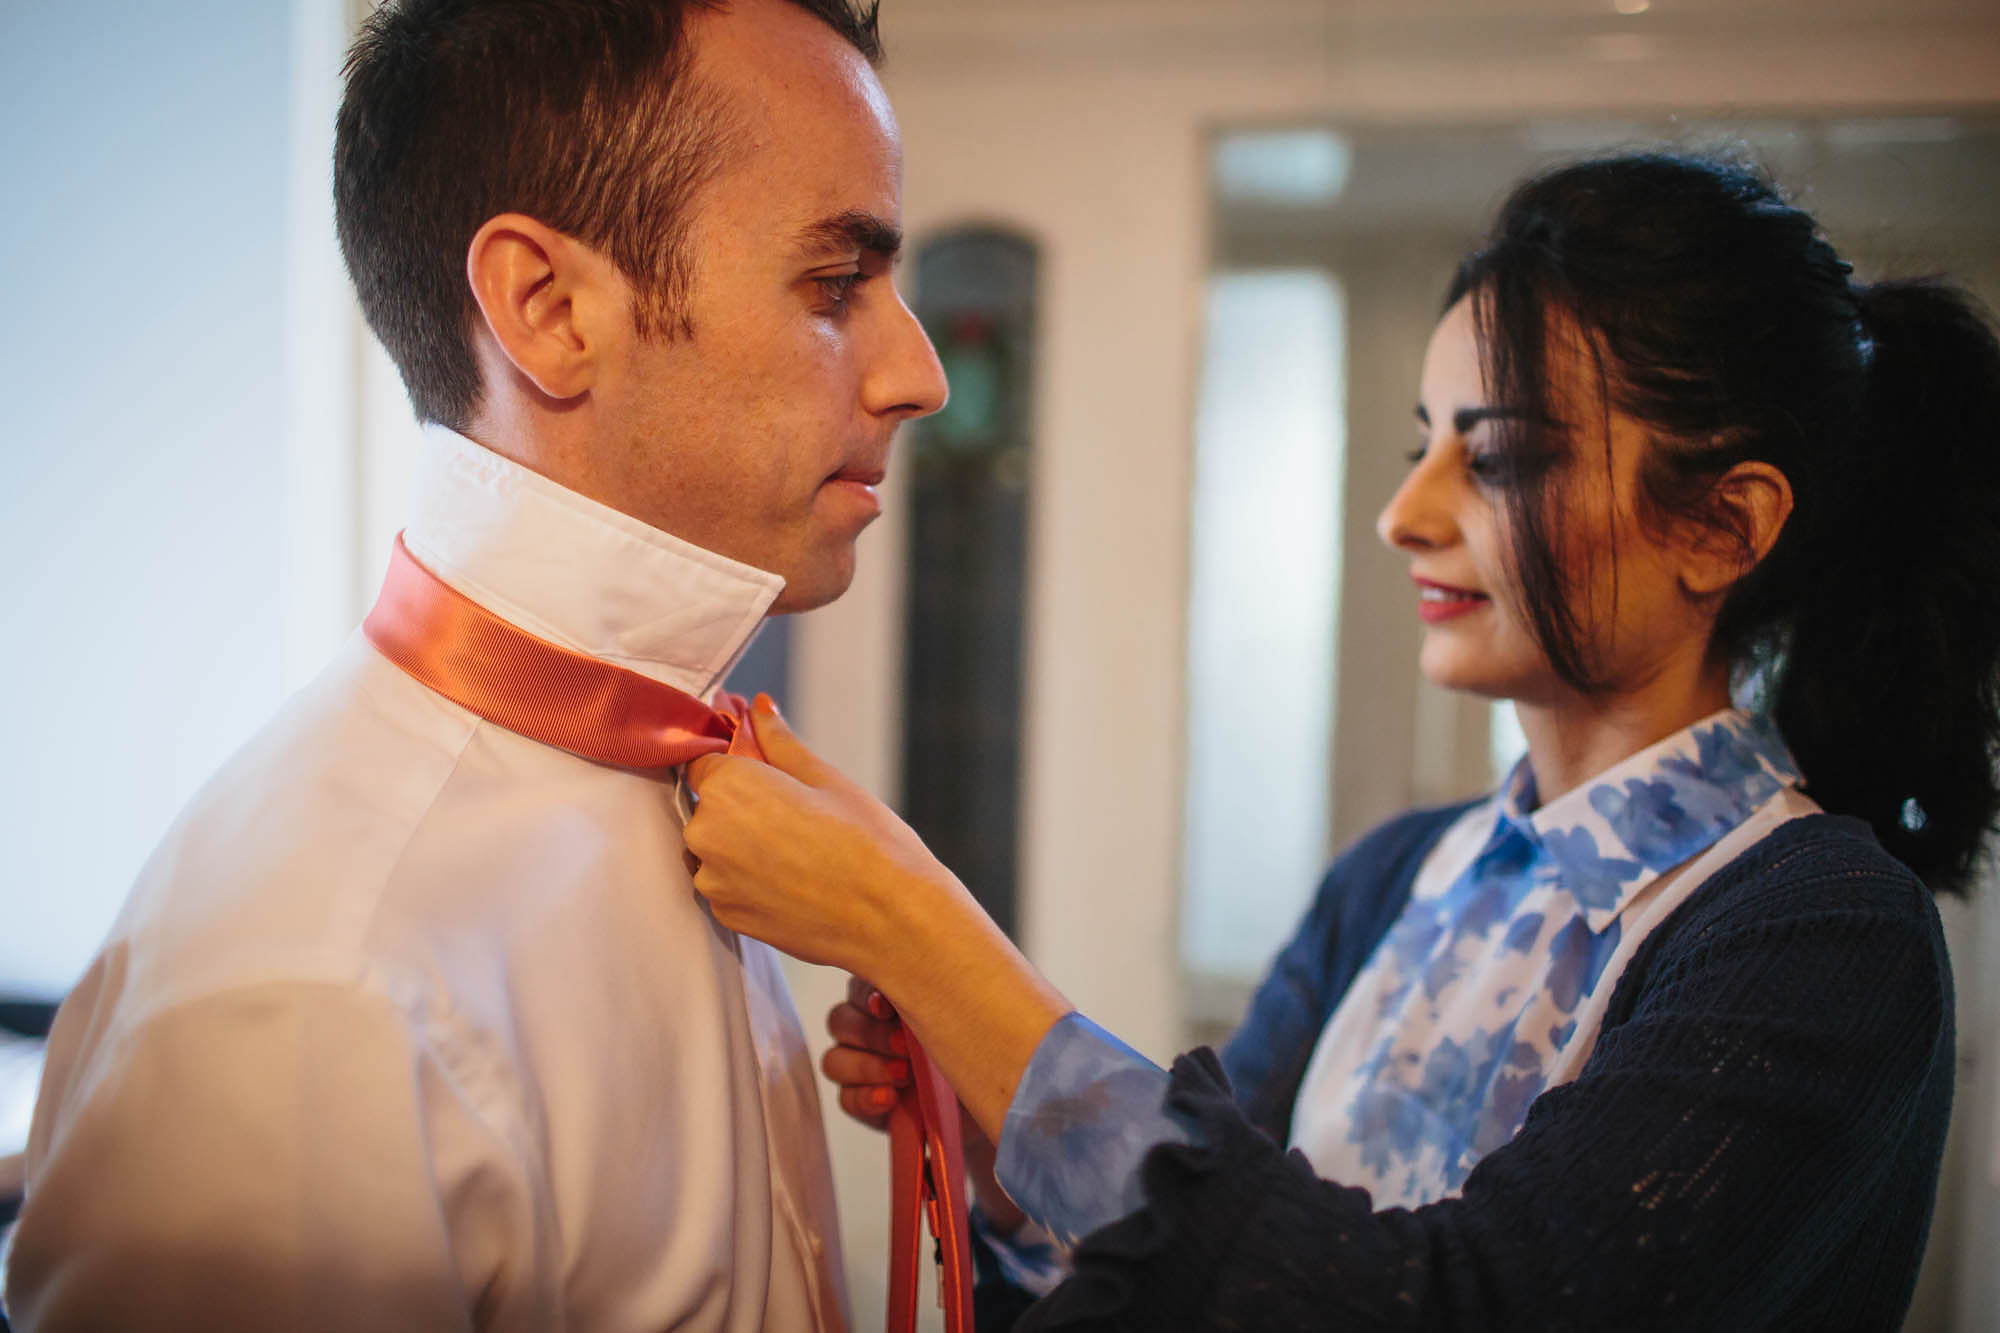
[(545, 301), (1747, 509)]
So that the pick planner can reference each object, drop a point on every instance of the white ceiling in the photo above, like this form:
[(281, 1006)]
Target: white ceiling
[(1868, 52), (1815, 12), (1449, 26)]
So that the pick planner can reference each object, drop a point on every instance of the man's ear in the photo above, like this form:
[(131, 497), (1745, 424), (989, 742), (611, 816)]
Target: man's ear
[(551, 304), (1748, 506)]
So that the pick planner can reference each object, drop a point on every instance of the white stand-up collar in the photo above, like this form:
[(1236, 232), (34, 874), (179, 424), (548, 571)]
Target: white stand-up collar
[(576, 572)]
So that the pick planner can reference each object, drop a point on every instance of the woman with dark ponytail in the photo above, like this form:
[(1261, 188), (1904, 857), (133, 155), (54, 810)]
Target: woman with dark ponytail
[(1731, 330), (1659, 1034)]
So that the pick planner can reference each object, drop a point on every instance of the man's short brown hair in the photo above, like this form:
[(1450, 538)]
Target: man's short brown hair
[(581, 114)]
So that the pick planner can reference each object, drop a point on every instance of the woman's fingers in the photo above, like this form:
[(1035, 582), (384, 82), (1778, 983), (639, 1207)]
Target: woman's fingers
[(784, 751), (701, 767), (867, 1064), (851, 1026), (858, 992), (870, 1106), (860, 1069), (862, 995)]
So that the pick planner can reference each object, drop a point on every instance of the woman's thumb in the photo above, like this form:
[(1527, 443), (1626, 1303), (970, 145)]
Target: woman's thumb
[(782, 748)]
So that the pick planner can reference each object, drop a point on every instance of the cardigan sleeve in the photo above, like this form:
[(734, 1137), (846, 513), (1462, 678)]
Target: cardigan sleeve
[(1754, 1143)]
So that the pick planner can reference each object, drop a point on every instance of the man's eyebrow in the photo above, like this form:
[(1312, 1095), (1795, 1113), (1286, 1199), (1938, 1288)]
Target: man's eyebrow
[(856, 229)]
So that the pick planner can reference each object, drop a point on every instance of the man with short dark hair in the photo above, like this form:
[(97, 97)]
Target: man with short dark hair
[(414, 1020)]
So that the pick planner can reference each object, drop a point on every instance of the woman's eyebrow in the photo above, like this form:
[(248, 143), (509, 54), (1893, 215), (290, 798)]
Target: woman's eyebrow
[(1465, 418)]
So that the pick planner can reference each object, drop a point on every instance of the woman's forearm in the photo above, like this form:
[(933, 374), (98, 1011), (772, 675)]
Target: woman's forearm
[(979, 1008)]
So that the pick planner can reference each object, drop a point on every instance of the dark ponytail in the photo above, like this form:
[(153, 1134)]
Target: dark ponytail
[(1722, 319), (1888, 692)]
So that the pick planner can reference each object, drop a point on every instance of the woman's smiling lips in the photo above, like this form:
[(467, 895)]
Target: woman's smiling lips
[(1441, 601)]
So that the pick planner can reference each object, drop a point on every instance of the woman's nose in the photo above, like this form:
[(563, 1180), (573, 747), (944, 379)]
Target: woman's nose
[(1415, 519)]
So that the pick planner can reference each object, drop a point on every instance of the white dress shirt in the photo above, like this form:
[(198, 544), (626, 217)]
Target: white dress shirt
[(414, 1023)]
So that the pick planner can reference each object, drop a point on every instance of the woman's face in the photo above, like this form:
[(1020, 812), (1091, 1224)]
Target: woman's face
[(1450, 517)]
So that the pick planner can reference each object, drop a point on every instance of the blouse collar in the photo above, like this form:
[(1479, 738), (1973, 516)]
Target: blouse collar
[(1611, 836)]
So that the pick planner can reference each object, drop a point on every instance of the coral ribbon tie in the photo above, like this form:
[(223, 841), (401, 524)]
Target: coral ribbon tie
[(539, 689), (575, 702), (927, 1177)]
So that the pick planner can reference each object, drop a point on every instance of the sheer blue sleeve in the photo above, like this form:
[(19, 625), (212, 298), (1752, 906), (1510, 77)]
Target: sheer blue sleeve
[(1086, 1112), (1026, 1258)]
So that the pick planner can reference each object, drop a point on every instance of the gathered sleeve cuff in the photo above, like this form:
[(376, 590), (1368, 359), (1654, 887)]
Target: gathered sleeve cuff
[(1086, 1112)]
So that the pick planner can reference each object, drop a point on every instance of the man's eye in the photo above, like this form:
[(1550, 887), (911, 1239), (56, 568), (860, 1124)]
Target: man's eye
[(839, 287)]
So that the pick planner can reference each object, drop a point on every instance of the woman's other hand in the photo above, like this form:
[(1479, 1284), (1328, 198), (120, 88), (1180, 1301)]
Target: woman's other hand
[(869, 1063), (869, 1059)]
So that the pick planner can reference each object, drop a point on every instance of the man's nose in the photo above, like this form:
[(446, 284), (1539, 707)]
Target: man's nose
[(906, 379)]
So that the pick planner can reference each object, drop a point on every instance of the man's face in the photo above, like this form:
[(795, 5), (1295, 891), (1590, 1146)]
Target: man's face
[(763, 436)]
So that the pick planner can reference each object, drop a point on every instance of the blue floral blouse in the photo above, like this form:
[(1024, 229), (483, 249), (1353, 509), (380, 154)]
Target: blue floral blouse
[(1485, 992)]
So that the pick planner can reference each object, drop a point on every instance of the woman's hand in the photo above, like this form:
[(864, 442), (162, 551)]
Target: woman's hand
[(791, 852)]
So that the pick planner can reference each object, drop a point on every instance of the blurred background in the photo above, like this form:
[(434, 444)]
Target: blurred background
[(1124, 646)]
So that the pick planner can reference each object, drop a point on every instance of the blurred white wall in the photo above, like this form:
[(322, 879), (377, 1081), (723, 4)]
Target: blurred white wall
[(1263, 603), (144, 472)]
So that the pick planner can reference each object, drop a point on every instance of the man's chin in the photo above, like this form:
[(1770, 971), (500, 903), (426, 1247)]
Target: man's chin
[(816, 587)]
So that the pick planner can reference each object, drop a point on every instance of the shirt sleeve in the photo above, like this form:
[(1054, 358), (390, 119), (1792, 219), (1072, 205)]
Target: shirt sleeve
[(1753, 1144), (1087, 1110), (272, 1158)]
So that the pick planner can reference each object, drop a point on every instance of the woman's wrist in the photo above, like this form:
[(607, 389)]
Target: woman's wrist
[(965, 991), (912, 915), (1003, 1217)]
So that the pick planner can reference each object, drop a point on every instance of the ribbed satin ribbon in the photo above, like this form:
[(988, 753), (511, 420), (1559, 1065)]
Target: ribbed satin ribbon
[(927, 1180), (602, 712), (539, 689)]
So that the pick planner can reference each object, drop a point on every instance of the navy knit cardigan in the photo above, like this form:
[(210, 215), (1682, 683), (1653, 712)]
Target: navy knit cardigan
[(1753, 1144)]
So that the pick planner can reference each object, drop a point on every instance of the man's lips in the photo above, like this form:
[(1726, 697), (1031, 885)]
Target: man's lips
[(1443, 601), (857, 483)]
